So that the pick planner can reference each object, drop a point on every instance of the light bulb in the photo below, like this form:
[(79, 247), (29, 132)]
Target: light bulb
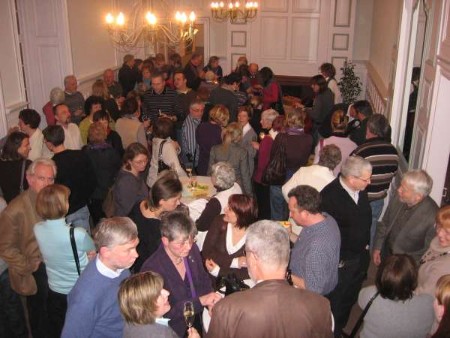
[(109, 19), (192, 17), (120, 20)]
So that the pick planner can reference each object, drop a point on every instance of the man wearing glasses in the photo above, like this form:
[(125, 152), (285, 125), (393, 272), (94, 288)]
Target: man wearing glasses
[(272, 308), (346, 200)]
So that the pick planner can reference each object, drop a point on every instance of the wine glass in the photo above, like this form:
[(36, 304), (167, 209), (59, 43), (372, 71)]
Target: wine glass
[(188, 313)]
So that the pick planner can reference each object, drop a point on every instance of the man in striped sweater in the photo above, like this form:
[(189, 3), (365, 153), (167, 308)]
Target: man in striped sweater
[(383, 157)]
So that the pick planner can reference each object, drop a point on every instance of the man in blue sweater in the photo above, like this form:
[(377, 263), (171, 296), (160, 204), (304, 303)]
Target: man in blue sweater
[(93, 309)]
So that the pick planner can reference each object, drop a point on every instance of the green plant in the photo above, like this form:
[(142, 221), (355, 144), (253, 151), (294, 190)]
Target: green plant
[(350, 84)]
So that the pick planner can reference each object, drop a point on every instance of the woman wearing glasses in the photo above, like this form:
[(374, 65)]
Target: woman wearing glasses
[(179, 262), (130, 186)]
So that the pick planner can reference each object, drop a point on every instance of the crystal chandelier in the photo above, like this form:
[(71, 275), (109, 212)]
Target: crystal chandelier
[(235, 11), (129, 32)]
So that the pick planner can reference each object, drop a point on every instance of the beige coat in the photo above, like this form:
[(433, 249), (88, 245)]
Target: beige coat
[(18, 246)]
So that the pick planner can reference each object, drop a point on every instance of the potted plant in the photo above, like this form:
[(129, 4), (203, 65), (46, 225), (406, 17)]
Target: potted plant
[(350, 84)]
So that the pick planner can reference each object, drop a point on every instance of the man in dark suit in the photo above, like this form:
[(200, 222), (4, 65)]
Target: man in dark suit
[(346, 200), (272, 308)]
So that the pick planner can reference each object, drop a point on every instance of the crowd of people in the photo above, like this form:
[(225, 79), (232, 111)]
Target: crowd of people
[(96, 241)]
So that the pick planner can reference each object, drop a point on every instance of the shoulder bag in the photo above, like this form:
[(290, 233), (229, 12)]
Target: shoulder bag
[(74, 249), (361, 318), (161, 165), (275, 172)]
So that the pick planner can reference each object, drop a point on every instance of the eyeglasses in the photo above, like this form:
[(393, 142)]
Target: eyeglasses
[(366, 180), (190, 241), (141, 162)]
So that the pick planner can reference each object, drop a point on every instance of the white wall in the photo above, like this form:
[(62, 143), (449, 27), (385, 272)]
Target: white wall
[(385, 25), (363, 29), (91, 48)]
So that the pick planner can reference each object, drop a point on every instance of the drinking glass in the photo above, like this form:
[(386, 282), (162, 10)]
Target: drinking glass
[(188, 313)]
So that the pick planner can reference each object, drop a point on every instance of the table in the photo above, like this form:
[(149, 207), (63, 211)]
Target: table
[(189, 195)]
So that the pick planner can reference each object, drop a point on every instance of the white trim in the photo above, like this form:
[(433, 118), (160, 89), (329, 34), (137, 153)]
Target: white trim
[(3, 123), (66, 42)]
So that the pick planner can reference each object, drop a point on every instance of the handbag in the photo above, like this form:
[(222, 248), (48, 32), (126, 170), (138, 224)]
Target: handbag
[(275, 172), (108, 205), (161, 165), (361, 318), (74, 249)]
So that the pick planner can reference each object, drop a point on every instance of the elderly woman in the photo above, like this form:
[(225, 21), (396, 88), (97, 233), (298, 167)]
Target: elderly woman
[(164, 196), (223, 179), (179, 262), (297, 147), (130, 187), (209, 134), (52, 235), (339, 122), (223, 249), (231, 151), (442, 307), (105, 162), (13, 165), (248, 135), (436, 261), (395, 310), (268, 118), (57, 96), (164, 151), (143, 302)]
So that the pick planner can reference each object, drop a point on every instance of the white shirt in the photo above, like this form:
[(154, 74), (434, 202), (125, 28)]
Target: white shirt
[(38, 148), (72, 137), (316, 176), (105, 271), (353, 194)]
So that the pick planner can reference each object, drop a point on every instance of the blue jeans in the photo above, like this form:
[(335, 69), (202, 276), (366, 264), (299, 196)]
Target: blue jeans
[(377, 209), (80, 218), (278, 206), (12, 317)]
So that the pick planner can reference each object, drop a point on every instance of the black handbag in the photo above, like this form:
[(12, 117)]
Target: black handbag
[(161, 165), (232, 284), (275, 172)]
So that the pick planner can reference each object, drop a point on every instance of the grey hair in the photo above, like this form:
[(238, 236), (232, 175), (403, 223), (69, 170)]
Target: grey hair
[(224, 175), (210, 76), (57, 96), (330, 156), (269, 115), (355, 166), (177, 224), (114, 231), (269, 241), (41, 161), (419, 180)]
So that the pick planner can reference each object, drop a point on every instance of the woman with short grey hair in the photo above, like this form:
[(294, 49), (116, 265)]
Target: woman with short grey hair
[(223, 178)]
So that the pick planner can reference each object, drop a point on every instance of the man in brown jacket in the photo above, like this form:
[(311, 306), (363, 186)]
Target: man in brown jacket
[(19, 248), (272, 308)]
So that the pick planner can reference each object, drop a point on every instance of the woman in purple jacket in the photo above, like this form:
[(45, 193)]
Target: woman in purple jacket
[(179, 262)]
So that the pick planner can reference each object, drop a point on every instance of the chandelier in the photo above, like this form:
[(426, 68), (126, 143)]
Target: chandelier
[(133, 30), (236, 12)]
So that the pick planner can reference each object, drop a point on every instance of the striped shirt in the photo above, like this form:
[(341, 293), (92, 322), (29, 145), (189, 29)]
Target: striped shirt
[(189, 144), (166, 102), (383, 157)]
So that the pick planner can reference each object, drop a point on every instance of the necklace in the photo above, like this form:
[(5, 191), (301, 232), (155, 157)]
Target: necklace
[(428, 258), (178, 261)]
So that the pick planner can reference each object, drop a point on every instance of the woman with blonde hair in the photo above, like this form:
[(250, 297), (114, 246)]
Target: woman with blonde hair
[(295, 146), (209, 134), (54, 240), (143, 302), (100, 89), (339, 122), (436, 261), (442, 307), (232, 152)]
